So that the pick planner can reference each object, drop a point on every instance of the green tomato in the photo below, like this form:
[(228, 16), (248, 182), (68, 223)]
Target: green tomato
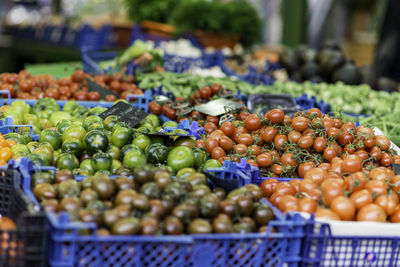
[(142, 141), (59, 116), (45, 123), (116, 164), (87, 164), (114, 151), (70, 106), (134, 159), (19, 148), (101, 161), (90, 120), (43, 151), (67, 161), (21, 106), (51, 136), (62, 125), (110, 121), (155, 121), (211, 163), (181, 157), (73, 131), (31, 119), (121, 136), (72, 145), (200, 157), (32, 145)]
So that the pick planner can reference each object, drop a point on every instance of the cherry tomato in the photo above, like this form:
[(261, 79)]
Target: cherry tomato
[(240, 149), (379, 173), (205, 92), (216, 87), (280, 141), (245, 139), (305, 141), (93, 96), (307, 205), (316, 175), (382, 142), (352, 163), (277, 169), (217, 152), (210, 144), (376, 187), (319, 144), (275, 198), (212, 119), (226, 143), (264, 159), (252, 123), (296, 184), (386, 159), (200, 143), (228, 128), (269, 134), (209, 127), (355, 181), (307, 185), (294, 136), (300, 124), (331, 191), (275, 116), (268, 186), (334, 132), (372, 213), (285, 188), (288, 203), (243, 115), (387, 203), (330, 153), (343, 207), (287, 159), (255, 150), (375, 152), (327, 214), (110, 98), (361, 198), (315, 112), (304, 167)]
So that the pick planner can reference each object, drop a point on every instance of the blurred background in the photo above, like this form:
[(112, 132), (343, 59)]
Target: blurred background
[(360, 34)]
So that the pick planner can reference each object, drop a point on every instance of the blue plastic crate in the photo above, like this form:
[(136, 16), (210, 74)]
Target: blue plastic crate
[(68, 248), (322, 249), (6, 126), (306, 102), (192, 129)]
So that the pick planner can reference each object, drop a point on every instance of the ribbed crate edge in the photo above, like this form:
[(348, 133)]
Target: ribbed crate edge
[(63, 231)]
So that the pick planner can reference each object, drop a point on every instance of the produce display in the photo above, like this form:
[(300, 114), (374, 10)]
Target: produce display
[(25, 86), (153, 203), (214, 165), (77, 139)]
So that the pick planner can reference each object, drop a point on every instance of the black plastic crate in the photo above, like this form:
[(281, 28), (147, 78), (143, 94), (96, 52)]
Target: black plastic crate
[(26, 245)]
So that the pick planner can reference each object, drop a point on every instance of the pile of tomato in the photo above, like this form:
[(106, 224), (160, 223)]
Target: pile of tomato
[(345, 171), (25, 86)]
